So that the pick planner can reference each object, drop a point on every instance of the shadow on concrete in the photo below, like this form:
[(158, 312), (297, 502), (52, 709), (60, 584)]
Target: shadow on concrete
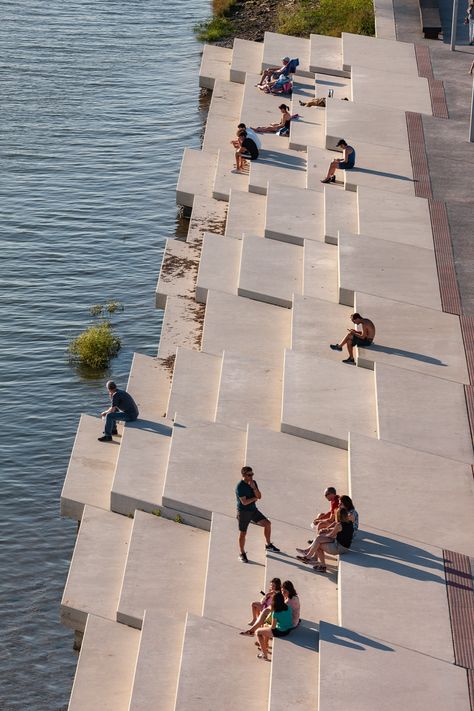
[(151, 426), (382, 173), (306, 635), (348, 638), (380, 348), (281, 159)]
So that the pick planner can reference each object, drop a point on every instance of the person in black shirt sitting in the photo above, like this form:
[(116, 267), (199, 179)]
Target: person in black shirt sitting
[(248, 150), (335, 541)]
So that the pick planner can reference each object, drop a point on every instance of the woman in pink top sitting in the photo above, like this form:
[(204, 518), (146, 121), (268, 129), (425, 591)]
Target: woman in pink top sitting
[(292, 600), (261, 610)]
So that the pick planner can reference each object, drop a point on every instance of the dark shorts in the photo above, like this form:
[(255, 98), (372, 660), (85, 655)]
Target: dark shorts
[(247, 156), (362, 342), (345, 166), (281, 633), (246, 517)]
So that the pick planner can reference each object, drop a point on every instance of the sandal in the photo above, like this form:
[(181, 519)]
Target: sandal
[(320, 568), (326, 180), (247, 633), (263, 656)]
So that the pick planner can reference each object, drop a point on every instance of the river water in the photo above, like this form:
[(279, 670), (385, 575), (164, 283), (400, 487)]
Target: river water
[(98, 99)]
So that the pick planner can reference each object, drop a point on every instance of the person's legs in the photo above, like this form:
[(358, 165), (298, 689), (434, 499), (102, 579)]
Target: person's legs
[(111, 420), (242, 536), (260, 621), (267, 530), (264, 635), (256, 610)]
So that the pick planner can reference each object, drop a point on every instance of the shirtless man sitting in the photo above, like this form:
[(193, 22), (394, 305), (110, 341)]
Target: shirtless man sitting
[(356, 337)]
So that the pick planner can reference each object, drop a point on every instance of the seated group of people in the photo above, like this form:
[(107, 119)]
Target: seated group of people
[(275, 615)]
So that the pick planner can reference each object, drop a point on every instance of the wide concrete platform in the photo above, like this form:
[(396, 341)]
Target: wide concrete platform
[(412, 337), (208, 215), (219, 266), (91, 470), (215, 64), (178, 271), (316, 323), (270, 271), (246, 58), (246, 327), (293, 214), (359, 123), (182, 325), (309, 128), (339, 85), (208, 646), (326, 55), (105, 686), (246, 214), (196, 176), (387, 269), (226, 179), (340, 212), (149, 382), (320, 271), (379, 167), (294, 47), (319, 397), (195, 385), (422, 412), (392, 90), (373, 670), (275, 165), (157, 544), (96, 569), (362, 51)]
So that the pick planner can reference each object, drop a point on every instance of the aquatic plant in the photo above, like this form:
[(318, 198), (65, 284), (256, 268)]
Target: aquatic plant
[(98, 344)]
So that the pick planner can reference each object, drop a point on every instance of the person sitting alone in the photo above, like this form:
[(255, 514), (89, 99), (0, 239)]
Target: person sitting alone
[(269, 73), (347, 162), (281, 625), (123, 408), (355, 337), (284, 122), (335, 541), (261, 610), (247, 151)]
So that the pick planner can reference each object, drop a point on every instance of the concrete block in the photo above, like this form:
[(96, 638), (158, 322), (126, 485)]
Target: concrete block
[(279, 166), (210, 645), (204, 469), (149, 382), (340, 86), (96, 570), (246, 58), (322, 400), (195, 385), (387, 269), (196, 176), (104, 674), (246, 214), (90, 472), (363, 51), (293, 214), (371, 85), (181, 551), (389, 215), (422, 412), (215, 64), (226, 99), (220, 131), (224, 601), (412, 337), (316, 323), (219, 266), (182, 326), (270, 271), (431, 497), (319, 160), (245, 327), (208, 215), (259, 108), (379, 167), (410, 680), (225, 178), (340, 213), (178, 271), (326, 55), (360, 123), (250, 392), (277, 46), (320, 271), (308, 129)]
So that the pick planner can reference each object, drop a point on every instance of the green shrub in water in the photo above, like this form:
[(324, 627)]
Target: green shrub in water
[(98, 344)]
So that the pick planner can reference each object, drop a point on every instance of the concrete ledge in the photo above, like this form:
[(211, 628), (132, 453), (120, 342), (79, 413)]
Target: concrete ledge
[(340, 213), (208, 215), (178, 271), (181, 551), (246, 58), (318, 164), (225, 178), (391, 89), (385, 54), (380, 167), (293, 214), (320, 271), (275, 45), (105, 667), (275, 167), (182, 326), (196, 176), (149, 382), (219, 266), (316, 324), (360, 123), (215, 64), (326, 55), (195, 385), (246, 214), (309, 128), (96, 570)]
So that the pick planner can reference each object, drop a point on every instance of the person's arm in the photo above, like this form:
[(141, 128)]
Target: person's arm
[(274, 622), (333, 530), (256, 490), (246, 501)]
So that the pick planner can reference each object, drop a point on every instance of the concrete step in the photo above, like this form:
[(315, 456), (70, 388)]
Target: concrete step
[(339, 85), (319, 397), (340, 212), (224, 601), (318, 163), (226, 179), (316, 323), (309, 128), (246, 58), (182, 326), (379, 167), (293, 214), (398, 218), (96, 569), (275, 166), (250, 392), (90, 472), (422, 412), (226, 100), (326, 55), (246, 214), (223, 117), (275, 44), (390, 89), (196, 176), (320, 271), (274, 456), (210, 645), (436, 348), (181, 551), (159, 656), (219, 266), (195, 385), (270, 271), (104, 674), (387, 269), (203, 470), (259, 108), (423, 508), (363, 51), (245, 327), (215, 64), (359, 123), (178, 271), (208, 215), (150, 383), (412, 680)]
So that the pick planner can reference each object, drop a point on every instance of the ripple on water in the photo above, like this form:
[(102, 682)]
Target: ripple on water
[(91, 145)]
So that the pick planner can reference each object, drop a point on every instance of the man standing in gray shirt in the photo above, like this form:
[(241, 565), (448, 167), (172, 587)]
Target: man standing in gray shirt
[(123, 408)]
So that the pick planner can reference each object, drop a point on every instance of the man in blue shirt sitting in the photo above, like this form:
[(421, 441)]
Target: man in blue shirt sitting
[(247, 493), (123, 408)]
